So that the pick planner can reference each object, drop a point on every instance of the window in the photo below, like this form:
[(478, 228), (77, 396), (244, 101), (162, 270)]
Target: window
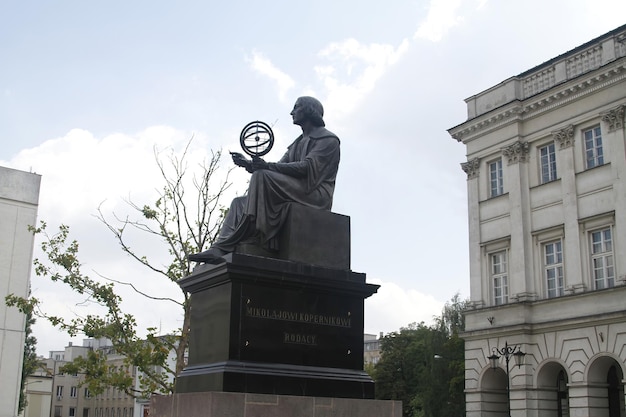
[(499, 278), (553, 267), (594, 155), (73, 392), (57, 411), (85, 412), (59, 391), (87, 394), (547, 159), (495, 178), (72, 412), (602, 258)]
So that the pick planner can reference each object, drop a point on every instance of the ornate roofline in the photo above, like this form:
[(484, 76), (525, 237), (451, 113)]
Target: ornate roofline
[(519, 110), (582, 70)]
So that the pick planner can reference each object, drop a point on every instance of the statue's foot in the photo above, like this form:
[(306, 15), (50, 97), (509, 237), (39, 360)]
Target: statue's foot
[(209, 256)]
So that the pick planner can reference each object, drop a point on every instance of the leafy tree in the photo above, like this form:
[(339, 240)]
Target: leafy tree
[(185, 225), (423, 366), (30, 363)]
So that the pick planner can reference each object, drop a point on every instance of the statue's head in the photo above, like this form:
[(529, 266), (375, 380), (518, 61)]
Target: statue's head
[(311, 109)]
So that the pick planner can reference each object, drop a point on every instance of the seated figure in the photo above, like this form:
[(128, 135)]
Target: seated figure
[(305, 174)]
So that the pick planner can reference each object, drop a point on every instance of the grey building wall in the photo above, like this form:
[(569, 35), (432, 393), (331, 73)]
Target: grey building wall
[(19, 197)]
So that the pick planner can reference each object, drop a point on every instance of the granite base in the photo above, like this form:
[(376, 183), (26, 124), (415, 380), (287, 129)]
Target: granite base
[(229, 404)]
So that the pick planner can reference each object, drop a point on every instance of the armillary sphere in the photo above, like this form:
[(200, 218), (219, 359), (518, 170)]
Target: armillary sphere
[(256, 138)]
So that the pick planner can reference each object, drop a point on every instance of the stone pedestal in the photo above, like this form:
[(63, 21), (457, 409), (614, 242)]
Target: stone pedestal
[(224, 404), (271, 326)]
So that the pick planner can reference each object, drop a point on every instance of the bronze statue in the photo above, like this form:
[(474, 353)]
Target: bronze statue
[(305, 175)]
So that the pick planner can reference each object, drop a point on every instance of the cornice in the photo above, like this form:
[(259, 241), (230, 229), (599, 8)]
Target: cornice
[(559, 95)]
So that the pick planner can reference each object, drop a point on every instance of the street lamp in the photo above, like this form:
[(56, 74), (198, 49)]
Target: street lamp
[(507, 351)]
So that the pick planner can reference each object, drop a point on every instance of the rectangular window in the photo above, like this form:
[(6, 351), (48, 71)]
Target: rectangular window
[(85, 412), (602, 267), (499, 278), (59, 391), (495, 178), (73, 392), (87, 393), (594, 156), (553, 267), (72, 412), (547, 159), (57, 411)]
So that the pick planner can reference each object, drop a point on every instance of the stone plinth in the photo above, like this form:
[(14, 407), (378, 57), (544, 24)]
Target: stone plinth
[(269, 326), (310, 236), (225, 404)]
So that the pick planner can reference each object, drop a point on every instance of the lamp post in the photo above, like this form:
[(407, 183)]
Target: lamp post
[(507, 351)]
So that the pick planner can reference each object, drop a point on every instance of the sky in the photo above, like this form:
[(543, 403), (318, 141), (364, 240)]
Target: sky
[(89, 91)]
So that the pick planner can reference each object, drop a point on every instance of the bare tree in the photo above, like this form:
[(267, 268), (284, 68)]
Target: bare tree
[(185, 221)]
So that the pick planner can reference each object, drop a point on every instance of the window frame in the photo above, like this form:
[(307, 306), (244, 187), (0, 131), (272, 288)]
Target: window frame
[(496, 184), (607, 256), (556, 266), (499, 277), (548, 171), (593, 146)]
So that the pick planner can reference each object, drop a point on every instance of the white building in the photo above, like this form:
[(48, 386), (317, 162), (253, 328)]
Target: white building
[(546, 180), (38, 389), (70, 399), (19, 197)]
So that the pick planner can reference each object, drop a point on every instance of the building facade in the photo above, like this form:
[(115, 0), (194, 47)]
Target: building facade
[(546, 181), (371, 349), (38, 391), (72, 399), (19, 198)]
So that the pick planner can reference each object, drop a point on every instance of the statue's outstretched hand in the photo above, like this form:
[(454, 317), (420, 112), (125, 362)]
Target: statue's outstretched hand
[(241, 161)]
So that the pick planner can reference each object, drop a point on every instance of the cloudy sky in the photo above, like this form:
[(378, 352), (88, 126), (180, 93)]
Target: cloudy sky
[(89, 89)]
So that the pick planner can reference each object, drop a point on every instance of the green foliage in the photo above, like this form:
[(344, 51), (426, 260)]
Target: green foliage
[(120, 328), (184, 229), (30, 363), (423, 366)]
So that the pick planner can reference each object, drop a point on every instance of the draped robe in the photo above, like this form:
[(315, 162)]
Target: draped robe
[(305, 175)]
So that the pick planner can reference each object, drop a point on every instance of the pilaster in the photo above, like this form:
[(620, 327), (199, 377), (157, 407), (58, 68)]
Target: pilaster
[(564, 138), (471, 168), (616, 143), (521, 283)]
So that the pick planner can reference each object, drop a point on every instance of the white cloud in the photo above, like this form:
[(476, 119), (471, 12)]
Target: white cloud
[(79, 172), (393, 307), (353, 70), (264, 66), (442, 16)]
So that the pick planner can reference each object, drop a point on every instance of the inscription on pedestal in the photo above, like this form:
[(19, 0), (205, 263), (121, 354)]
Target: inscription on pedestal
[(299, 328)]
